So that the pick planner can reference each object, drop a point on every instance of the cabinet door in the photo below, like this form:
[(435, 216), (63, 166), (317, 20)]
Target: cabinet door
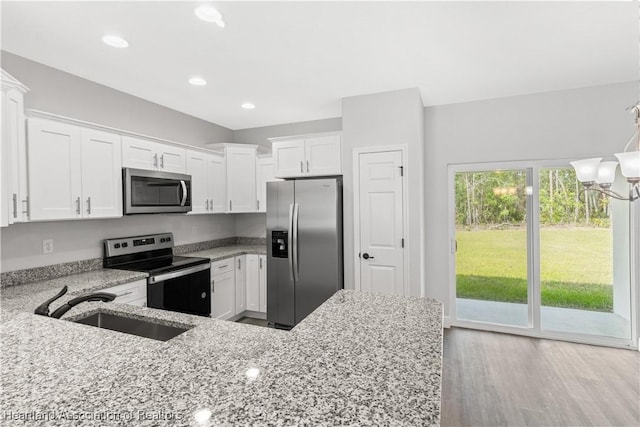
[(14, 158), (252, 283), (241, 179), (101, 174), (223, 295), (241, 304), (171, 159), (197, 164), (217, 183), (139, 153), (54, 170), (323, 155), (264, 173), (288, 158), (262, 282)]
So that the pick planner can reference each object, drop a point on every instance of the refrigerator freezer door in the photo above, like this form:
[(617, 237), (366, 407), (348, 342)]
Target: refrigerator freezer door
[(280, 285), (318, 243)]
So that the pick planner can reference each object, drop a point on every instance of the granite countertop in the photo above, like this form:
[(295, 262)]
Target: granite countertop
[(222, 252), (359, 359)]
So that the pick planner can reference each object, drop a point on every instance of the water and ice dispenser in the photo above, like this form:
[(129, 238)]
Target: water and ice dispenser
[(279, 245)]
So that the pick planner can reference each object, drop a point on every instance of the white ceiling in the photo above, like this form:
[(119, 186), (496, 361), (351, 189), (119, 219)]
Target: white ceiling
[(297, 60)]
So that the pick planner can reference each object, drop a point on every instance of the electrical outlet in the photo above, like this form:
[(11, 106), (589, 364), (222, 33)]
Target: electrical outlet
[(47, 246)]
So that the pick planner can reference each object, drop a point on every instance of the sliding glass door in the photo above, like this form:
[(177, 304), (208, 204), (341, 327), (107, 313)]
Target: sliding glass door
[(584, 259), (491, 237), (531, 253)]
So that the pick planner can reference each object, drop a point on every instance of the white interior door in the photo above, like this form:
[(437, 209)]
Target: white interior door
[(381, 222)]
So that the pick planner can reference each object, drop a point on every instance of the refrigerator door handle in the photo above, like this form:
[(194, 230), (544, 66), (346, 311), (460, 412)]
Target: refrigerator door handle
[(296, 269), (290, 241)]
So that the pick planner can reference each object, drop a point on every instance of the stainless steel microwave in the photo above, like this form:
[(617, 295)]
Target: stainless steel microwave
[(147, 191)]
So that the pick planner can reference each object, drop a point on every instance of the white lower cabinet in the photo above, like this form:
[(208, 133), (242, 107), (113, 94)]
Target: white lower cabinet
[(241, 275), (256, 283), (223, 289), (134, 293), (238, 285)]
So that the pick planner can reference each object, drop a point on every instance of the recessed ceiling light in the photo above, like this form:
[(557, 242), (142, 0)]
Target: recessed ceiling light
[(210, 14), (115, 41), (248, 106), (197, 81)]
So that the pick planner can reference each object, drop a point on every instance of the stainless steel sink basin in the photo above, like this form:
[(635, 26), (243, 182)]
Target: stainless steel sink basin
[(127, 325)]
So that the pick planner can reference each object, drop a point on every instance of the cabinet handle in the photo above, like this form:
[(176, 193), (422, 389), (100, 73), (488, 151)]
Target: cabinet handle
[(78, 205), (301, 166), (260, 261), (257, 205), (238, 263), (307, 165), (230, 205), (26, 206), (162, 161), (206, 204), (15, 205), (89, 205), (213, 287), (224, 266), (155, 160)]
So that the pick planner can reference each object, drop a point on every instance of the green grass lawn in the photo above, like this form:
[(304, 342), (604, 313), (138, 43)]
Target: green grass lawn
[(576, 267)]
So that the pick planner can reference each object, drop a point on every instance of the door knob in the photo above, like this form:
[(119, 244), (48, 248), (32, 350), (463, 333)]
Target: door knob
[(366, 256)]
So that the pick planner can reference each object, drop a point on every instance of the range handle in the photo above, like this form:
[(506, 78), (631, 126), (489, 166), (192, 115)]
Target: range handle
[(179, 273)]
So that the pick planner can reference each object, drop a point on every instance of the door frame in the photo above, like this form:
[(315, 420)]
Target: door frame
[(404, 149), (533, 260)]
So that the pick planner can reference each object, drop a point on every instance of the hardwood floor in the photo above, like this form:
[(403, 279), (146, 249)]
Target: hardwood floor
[(492, 379)]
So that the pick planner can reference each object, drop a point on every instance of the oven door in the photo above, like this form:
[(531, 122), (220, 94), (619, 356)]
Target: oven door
[(186, 291), (155, 192)]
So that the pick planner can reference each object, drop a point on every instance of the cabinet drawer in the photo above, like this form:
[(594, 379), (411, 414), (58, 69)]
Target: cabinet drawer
[(222, 266), (129, 292)]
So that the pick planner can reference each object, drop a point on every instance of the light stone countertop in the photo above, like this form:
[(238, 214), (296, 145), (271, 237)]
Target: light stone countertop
[(359, 359), (223, 252)]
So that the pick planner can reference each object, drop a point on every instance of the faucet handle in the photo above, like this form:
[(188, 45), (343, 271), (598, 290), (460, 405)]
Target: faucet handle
[(43, 309)]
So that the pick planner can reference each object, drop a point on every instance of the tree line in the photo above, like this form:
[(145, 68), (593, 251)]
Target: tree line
[(490, 199)]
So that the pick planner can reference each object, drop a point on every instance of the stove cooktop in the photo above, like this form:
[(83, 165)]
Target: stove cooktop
[(162, 265)]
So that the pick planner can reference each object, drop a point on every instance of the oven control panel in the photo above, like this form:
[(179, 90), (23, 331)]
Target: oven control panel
[(136, 244)]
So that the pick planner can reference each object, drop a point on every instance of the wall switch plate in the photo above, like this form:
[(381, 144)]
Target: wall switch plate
[(47, 246)]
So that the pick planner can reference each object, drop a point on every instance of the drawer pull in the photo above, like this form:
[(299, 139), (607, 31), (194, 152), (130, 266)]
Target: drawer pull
[(224, 266)]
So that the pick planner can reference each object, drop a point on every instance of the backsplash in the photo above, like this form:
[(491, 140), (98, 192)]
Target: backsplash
[(12, 278)]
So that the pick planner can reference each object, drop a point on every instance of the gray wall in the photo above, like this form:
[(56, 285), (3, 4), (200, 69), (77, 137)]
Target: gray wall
[(260, 135), (82, 239), (61, 93), (570, 124), (389, 118)]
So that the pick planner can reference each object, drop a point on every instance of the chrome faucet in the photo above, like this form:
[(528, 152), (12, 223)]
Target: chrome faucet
[(43, 309)]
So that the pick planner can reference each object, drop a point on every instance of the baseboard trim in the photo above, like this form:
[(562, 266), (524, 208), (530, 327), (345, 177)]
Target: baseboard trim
[(446, 322)]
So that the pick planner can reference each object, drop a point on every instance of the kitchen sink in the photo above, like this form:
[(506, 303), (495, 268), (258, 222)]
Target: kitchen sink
[(127, 325)]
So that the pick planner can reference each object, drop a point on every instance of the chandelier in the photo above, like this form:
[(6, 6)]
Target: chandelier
[(598, 175)]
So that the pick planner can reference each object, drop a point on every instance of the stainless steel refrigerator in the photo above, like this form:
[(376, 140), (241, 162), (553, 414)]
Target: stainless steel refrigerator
[(304, 247)]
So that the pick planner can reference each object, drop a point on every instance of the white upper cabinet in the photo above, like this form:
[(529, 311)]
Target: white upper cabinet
[(54, 170), (144, 154), (217, 170), (197, 168), (241, 178), (101, 174), (265, 172), (13, 155), (289, 158), (73, 172), (208, 181), (312, 155)]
